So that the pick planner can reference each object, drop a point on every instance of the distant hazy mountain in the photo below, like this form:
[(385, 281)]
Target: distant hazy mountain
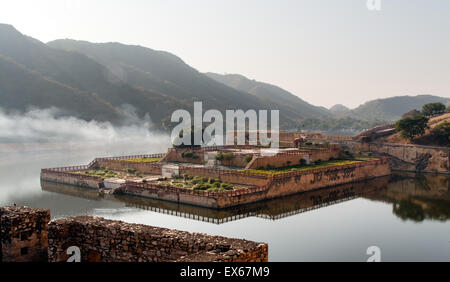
[(339, 111), (392, 109), (291, 103), (101, 81), (32, 74), (113, 82), (167, 74), (339, 108)]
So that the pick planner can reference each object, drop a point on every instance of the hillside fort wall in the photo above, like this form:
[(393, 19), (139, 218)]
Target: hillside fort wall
[(402, 157)]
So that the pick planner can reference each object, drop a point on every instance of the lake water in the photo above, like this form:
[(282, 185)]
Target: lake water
[(405, 215)]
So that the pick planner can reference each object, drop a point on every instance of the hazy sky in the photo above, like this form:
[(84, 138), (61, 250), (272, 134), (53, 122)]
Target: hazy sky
[(324, 51)]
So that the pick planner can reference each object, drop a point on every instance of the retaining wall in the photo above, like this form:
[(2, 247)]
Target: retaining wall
[(296, 182), (69, 177), (120, 165), (292, 158), (413, 158), (271, 186)]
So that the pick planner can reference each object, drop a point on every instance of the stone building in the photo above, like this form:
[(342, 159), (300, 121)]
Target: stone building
[(24, 234)]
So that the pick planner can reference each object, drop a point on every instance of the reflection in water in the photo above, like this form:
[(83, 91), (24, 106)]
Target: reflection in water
[(417, 197), (414, 197)]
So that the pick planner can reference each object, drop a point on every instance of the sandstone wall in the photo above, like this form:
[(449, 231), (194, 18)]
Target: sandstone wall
[(121, 165), (115, 241), (238, 160), (227, 176), (175, 155), (325, 177), (271, 186), (414, 158), (80, 180), (292, 158)]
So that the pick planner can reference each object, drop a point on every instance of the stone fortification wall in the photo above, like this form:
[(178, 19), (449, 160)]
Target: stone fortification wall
[(120, 165), (293, 158), (23, 234), (295, 182), (69, 177), (115, 241)]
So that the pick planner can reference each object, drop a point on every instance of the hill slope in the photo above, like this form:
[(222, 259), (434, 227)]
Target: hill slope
[(427, 139), (391, 109), (165, 73), (274, 94), (35, 74)]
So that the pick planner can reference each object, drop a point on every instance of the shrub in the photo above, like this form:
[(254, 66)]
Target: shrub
[(131, 170), (203, 186), (369, 153), (433, 108), (308, 143), (248, 158), (442, 133), (196, 180), (215, 189), (189, 155), (226, 186), (228, 156), (411, 127), (219, 156)]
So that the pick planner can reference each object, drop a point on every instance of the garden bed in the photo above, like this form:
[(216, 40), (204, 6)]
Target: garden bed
[(198, 183), (304, 167), (142, 160)]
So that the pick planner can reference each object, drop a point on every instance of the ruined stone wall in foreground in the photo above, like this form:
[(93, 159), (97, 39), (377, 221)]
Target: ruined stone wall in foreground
[(115, 241)]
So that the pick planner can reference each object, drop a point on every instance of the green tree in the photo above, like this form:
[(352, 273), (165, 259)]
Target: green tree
[(433, 109), (442, 133), (411, 127)]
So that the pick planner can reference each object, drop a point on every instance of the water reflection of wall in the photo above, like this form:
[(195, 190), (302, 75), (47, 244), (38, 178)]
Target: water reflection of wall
[(270, 209), (417, 197)]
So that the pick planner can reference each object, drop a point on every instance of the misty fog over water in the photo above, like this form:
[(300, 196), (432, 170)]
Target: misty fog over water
[(414, 228)]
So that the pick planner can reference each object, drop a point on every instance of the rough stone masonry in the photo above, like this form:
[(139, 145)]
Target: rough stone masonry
[(28, 235)]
